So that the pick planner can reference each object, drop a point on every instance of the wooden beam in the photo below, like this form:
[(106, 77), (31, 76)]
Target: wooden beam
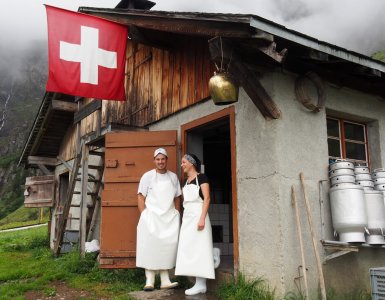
[(245, 76), (367, 72), (64, 162), (83, 203), (39, 160), (318, 55), (179, 23), (44, 169), (64, 106), (87, 109), (270, 51)]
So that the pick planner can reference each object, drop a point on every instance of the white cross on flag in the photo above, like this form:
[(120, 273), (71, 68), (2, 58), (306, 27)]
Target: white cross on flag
[(86, 55)]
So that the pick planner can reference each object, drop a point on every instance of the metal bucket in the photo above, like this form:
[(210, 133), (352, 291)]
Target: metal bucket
[(341, 172), (366, 183), (343, 179), (375, 210), (348, 212), (341, 164), (363, 177), (379, 174), (361, 170), (379, 180), (379, 187)]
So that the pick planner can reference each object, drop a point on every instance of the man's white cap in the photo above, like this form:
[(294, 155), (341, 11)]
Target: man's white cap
[(160, 151)]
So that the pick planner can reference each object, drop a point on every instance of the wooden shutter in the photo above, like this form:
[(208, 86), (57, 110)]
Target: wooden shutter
[(39, 191), (128, 156)]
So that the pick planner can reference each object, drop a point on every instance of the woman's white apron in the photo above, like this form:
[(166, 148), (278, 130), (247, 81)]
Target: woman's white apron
[(195, 248), (158, 227)]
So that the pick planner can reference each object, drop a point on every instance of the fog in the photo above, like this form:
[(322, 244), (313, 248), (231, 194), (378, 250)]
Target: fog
[(353, 24)]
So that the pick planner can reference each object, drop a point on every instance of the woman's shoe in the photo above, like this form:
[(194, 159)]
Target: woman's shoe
[(198, 288)]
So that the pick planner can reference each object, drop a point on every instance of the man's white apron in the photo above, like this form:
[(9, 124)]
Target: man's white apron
[(195, 248), (158, 227)]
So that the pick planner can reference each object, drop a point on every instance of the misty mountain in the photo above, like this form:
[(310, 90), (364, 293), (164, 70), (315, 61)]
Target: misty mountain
[(23, 74)]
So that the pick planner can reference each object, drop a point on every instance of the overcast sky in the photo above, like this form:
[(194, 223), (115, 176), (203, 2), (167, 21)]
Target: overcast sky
[(353, 24)]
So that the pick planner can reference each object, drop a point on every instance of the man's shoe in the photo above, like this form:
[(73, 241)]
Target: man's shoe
[(170, 286), (148, 288), (150, 280)]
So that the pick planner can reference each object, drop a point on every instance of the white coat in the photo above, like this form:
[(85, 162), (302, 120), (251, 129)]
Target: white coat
[(158, 227), (195, 248)]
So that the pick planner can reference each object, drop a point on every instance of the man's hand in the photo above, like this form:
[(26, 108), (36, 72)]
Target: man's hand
[(141, 203)]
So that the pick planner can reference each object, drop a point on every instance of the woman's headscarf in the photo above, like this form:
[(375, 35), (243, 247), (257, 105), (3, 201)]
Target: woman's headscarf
[(194, 160)]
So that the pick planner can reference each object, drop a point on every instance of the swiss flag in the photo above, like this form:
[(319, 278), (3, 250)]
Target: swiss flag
[(86, 55)]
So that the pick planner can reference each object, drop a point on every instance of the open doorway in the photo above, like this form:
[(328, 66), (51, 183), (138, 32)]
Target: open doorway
[(211, 139)]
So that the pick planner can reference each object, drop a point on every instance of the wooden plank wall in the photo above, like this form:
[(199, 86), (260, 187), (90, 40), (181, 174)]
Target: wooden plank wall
[(158, 83), (161, 82)]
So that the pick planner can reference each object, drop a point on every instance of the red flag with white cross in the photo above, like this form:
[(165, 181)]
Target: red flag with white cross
[(86, 55)]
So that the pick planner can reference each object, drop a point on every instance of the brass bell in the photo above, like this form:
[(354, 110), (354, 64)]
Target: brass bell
[(223, 89)]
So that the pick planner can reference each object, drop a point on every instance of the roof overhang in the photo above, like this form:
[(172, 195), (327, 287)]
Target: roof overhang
[(310, 42), (226, 25), (53, 119)]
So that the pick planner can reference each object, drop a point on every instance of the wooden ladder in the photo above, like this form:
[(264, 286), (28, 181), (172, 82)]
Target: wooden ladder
[(62, 218), (87, 228)]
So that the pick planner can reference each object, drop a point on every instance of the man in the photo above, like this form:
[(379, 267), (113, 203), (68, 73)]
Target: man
[(158, 227)]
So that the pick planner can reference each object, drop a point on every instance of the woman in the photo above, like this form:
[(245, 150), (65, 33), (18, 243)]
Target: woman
[(195, 248)]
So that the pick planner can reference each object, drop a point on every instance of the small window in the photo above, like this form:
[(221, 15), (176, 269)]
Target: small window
[(347, 140)]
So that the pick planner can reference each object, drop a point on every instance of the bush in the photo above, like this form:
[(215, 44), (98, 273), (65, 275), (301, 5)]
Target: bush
[(7, 160)]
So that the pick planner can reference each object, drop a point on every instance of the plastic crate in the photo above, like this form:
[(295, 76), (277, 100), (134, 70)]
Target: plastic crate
[(377, 282)]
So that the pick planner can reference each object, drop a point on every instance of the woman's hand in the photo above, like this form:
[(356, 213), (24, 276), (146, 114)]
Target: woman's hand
[(201, 224)]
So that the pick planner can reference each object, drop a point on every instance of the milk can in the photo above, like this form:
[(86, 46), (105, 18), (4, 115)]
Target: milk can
[(348, 212), (375, 209)]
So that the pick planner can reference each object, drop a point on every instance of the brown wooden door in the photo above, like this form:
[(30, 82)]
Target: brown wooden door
[(128, 156)]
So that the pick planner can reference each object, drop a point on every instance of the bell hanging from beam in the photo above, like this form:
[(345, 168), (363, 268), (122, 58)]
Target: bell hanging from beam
[(223, 88)]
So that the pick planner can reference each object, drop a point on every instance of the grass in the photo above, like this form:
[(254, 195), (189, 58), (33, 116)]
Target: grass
[(24, 217), (27, 264), (241, 288), (353, 295)]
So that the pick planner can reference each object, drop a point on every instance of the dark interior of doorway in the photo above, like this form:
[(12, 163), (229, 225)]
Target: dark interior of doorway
[(211, 143)]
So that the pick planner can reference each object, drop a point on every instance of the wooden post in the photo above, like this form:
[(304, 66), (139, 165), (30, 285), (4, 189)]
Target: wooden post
[(93, 220), (83, 203), (98, 120), (39, 217), (310, 220), (299, 231)]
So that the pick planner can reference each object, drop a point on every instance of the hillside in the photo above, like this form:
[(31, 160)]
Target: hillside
[(22, 86), (380, 55)]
